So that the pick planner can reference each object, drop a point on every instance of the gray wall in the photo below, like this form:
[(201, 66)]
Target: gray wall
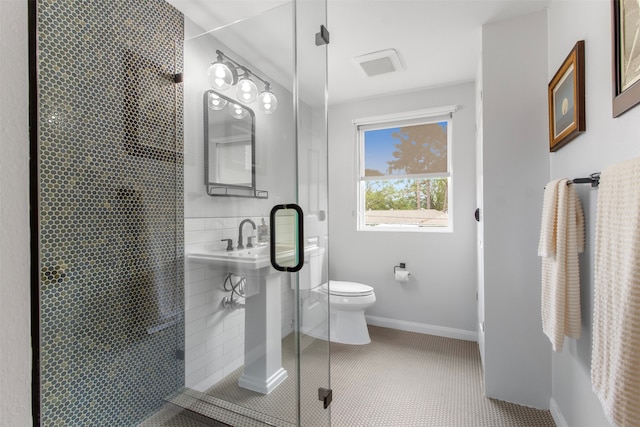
[(515, 167), (440, 297), (15, 347), (606, 141)]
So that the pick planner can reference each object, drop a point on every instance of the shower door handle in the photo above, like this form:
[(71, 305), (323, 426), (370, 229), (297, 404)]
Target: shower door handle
[(287, 240)]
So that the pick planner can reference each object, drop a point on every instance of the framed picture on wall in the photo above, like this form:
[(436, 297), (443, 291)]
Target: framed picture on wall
[(566, 99), (625, 54)]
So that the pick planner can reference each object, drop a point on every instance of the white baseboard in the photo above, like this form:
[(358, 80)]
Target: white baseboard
[(260, 384), (557, 414), (423, 328)]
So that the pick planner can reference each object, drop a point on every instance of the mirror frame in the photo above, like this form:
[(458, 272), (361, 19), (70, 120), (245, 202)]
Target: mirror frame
[(224, 189)]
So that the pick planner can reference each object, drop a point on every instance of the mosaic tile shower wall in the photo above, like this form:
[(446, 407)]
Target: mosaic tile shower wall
[(111, 209)]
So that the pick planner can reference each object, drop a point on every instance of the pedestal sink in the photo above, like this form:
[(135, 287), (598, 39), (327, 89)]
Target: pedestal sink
[(236, 261), (263, 370)]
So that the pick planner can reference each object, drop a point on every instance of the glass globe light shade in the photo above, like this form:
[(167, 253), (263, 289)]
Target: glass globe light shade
[(215, 102), (267, 102), (221, 75), (238, 111), (247, 90)]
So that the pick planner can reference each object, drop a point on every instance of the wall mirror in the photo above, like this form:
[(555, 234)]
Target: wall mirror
[(229, 147)]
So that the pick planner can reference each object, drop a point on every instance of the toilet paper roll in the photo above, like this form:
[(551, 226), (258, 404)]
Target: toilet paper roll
[(402, 275)]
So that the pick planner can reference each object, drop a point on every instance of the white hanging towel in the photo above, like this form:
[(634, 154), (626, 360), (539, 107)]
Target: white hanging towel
[(615, 359), (561, 239)]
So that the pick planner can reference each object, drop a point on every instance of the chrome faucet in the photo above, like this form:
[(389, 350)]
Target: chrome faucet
[(249, 244)]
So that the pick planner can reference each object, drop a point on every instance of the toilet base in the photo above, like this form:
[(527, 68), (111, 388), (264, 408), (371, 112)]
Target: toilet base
[(347, 321), (346, 328), (349, 327)]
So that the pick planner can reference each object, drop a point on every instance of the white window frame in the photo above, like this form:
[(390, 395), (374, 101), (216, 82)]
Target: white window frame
[(427, 116)]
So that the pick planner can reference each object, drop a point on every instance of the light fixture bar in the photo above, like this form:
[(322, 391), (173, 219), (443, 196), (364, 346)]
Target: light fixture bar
[(225, 72), (242, 67)]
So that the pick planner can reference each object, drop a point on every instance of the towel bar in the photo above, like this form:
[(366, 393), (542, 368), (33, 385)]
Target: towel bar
[(593, 179)]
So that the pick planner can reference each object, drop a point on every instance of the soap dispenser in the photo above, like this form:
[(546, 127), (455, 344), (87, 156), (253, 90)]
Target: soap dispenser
[(263, 232)]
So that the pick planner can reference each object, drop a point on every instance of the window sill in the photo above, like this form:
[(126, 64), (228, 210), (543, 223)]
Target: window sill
[(406, 229)]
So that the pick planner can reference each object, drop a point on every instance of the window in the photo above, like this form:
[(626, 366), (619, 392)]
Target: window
[(404, 180)]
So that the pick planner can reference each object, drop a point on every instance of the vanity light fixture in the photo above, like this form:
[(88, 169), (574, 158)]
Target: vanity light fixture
[(216, 102), (247, 90), (237, 111), (267, 101), (224, 73)]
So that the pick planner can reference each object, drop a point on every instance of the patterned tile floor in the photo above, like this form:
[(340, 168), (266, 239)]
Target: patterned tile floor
[(406, 379), (401, 379)]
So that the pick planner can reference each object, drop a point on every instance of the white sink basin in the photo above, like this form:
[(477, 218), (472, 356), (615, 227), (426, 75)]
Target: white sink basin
[(243, 259)]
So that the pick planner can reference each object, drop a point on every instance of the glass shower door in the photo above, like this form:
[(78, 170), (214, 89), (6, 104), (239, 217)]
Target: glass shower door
[(312, 162), (146, 176), (253, 334), (109, 289)]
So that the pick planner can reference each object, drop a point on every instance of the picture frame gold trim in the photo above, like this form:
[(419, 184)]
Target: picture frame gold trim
[(566, 100), (625, 55)]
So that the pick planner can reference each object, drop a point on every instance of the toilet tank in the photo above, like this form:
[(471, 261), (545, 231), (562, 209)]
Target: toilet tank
[(311, 274)]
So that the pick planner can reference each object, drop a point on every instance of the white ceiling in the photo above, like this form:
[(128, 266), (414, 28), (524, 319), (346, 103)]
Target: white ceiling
[(438, 40)]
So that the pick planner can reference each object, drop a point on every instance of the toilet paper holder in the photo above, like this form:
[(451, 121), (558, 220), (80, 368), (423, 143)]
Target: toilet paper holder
[(402, 266)]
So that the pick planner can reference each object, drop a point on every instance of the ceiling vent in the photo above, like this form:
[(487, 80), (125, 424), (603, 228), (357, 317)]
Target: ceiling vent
[(380, 62)]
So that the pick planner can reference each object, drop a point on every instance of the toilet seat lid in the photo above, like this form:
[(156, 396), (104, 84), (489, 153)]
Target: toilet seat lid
[(347, 289)]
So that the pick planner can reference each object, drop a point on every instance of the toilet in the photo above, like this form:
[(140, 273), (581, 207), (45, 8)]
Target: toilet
[(347, 302)]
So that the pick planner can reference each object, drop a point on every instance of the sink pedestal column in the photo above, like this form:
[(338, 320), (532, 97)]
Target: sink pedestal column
[(263, 370)]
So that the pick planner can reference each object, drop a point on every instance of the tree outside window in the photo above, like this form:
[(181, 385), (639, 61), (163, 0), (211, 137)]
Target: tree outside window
[(405, 176)]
